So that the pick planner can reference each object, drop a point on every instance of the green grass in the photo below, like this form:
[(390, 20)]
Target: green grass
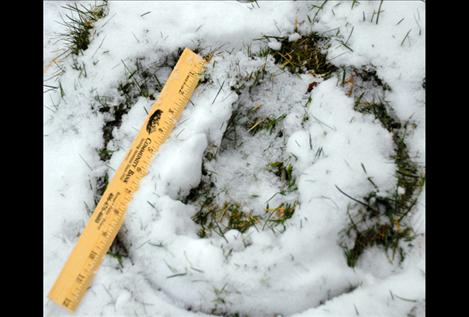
[(285, 173), (378, 222), (369, 74), (405, 37), (268, 124), (81, 68), (140, 81), (79, 22), (101, 184), (318, 9), (119, 249), (379, 11), (220, 219), (216, 218), (251, 80), (104, 154), (379, 110), (304, 55), (278, 215), (382, 219)]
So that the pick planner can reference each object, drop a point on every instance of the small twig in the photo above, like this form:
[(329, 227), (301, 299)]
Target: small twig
[(405, 299), (176, 275), (408, 210), (99, 47), (135, 37), (348, 38), (268, 218), (346, 46), (321, 122), (256, 124), (379, 11), (221, 232), (196, 269), (405, 37), (356, 200), (159, 245), (319, 9), (218, 92), (53, 111), (356, 310), (89, 166), (338, 56), (267, 201), (364, 169)]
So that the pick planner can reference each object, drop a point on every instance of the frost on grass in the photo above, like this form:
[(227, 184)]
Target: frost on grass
[(300, 54), (298, 157), (243, 175), (382, 218), (79, 20)]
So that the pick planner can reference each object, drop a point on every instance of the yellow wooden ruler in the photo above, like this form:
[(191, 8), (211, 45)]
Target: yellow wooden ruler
[(106, 220)]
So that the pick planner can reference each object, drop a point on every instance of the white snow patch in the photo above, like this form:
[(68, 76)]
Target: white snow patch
[(173, 272), (294, 37), (274, 44)]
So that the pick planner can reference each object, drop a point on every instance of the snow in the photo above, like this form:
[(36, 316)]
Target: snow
[(401, 190), (294, 37), (274, 44), (171, 271)]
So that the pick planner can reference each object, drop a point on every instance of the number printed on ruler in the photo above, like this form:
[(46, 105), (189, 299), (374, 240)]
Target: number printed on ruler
[(108, 216)]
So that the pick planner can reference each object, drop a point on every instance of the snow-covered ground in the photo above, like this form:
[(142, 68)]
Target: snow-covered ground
[(298, 269)]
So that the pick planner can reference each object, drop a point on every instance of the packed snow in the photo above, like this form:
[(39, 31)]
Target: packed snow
[(295, 270)]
